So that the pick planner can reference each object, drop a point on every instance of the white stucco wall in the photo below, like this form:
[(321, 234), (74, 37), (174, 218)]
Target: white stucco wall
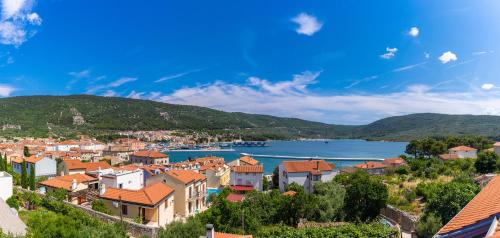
[(246, 179), (46, 167), (133, 180), (5, 185)]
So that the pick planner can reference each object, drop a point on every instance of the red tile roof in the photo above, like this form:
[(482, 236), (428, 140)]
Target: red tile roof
[(370, 165), (394, 161), (241, 188), (307, 166), (64, 182), (463, 148), (496, 144), (186, 176), (228, 235), (72, 164), (232, 197), (249, 160), (448, 156), (149, 196), (289, 193), (33, 159), (248, 169), (484, 205), (150, 154)]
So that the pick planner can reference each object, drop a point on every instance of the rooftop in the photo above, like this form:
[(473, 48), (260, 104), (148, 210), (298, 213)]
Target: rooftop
[(248, 169), (64, 182), (370, 165), (249, 160), (483, 206), (150, 154), (307, 166), (149, 196), (72, 164), (186, 176), (462, 148)]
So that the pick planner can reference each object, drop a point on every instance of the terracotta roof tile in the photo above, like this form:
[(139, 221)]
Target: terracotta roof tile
[(289, 193), (248, 169), (462, 148), (484, 205), (370, 165), (72, 164), (307, 166), (149, 196), (186, 176), (150, 154), (228, 235), (249, 160), (233, 197), (448, 156), (394, 161), (64, 182), (496, 144)]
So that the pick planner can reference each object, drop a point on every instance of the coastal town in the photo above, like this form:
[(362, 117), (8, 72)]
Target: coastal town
[(127, 180)]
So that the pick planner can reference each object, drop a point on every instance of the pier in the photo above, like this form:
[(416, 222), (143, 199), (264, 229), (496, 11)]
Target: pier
[(310, 157)]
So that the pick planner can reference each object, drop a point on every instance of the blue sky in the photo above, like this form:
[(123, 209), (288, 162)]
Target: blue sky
[(346, 62)]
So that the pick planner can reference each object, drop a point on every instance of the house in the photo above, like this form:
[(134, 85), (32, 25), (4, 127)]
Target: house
[(73, 184), (154, 204), (153, 173), (190, 191), (124, 177), (375, 168), (246, 178), (305, 173), (247, 160), (133, 144), (44, 166), (73, 166), (463, 152), (218, 174), (496, 148), (394, 162), (6, 184), (148, 157), (479, 218), (67, 145), (211, 233)]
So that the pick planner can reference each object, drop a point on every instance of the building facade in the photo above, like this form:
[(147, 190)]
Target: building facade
[(190, 191), (305, 173)]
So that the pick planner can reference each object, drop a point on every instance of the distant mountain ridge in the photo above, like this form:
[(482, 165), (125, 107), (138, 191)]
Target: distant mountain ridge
[(60, 115)]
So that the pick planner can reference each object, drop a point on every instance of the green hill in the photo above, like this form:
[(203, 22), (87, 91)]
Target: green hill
[(66, 115)]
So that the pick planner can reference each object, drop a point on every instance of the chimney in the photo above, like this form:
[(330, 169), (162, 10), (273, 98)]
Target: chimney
[(74, 185), (210, 231), (317, 165), (102, 189)]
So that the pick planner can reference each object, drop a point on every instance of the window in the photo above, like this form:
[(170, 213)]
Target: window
[(124, 210), (120, 186)]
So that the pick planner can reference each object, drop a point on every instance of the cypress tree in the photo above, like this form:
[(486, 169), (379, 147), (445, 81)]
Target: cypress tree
[(32, 180), (2, 166), (24, 177), (6, 167), (26, 152)]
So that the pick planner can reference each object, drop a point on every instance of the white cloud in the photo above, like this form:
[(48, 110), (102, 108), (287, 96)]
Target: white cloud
[(109, 93), (80, 74), (447, 57), (414, 31), (408, 67), (390, 53), (308, 24), (6, 90), (256, 97), (427, 55), (178, 75), (121, 81), (16, 18), (135, 95), (488, 86), (117, 83)]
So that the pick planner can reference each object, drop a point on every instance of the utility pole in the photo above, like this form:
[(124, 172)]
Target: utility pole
[(121, 209)]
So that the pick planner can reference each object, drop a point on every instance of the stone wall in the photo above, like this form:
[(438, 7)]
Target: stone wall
[(406, 221)]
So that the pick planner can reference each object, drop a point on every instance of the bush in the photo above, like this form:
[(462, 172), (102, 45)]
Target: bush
[(428, 225), (349, 230), (486, 162), (13, 202), (98, 205), (178, 229)]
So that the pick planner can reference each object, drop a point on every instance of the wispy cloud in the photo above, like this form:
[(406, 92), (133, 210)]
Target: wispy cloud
[(117, 83), (6, 90), (482, 52), (408, 67), (109, 93), (447, 57), (179, 75), (16, 18), (307, 24), (80, 74), (390, 53)]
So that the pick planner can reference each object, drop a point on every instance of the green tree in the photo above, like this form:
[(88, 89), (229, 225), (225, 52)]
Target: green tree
[(2, 166), (178, 229), (365, 196), (450, 198), (486, 162), (98, 205), (13, 202), (413, 148), (265, 184), (32, 179), (26, 151), (24, 176), (5, 164), (276, 178), (428, 225), (330, 197)]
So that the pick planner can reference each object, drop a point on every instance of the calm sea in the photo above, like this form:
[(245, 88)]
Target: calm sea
[(333, 149)]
